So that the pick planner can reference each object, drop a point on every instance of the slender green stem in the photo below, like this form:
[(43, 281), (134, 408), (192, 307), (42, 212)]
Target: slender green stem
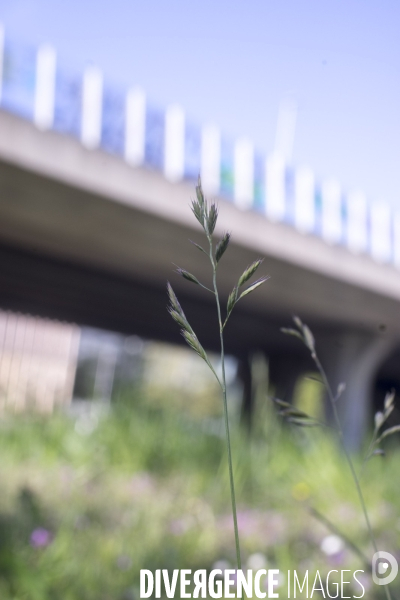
[(369, 451), (223, 385), (213, 371), (340, 533), (206, 288), (348, 458)]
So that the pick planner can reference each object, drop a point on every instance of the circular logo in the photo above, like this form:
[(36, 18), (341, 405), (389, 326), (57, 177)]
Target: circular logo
[(384, 568)]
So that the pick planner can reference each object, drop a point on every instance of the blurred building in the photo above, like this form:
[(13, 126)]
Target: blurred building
[(38, 359)]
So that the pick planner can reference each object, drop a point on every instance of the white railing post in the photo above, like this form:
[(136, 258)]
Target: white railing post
[(45, 85), (174, 144), (381, 234), (243, 168), (210, 161), (92, 100), (275, 202), (304, 200), (135, 127), (396, 240), (2, 43), (356, 225), (332, 220)]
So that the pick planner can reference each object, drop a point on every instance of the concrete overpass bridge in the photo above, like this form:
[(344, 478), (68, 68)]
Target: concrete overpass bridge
[(94, 205)]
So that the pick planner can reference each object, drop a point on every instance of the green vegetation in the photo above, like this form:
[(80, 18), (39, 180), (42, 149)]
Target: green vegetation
[(299, 417), (87, 502)]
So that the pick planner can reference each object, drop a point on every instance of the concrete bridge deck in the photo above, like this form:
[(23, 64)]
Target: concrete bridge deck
[(85, 237)]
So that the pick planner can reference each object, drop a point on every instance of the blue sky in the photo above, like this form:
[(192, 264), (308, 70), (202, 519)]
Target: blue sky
[(232, 63)]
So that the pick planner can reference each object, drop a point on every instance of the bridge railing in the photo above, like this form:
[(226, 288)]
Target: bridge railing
[(37, 85)]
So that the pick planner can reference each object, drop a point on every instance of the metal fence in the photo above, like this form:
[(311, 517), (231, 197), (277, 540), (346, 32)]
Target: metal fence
[(38, 359)]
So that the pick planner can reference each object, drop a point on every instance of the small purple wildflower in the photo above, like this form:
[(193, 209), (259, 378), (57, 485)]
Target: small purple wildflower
[(40, 538)]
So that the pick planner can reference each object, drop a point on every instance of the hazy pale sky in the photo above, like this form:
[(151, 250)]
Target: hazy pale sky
[(232, 63)]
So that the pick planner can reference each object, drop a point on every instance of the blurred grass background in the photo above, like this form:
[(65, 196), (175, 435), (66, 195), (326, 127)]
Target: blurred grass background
[(88, 499)]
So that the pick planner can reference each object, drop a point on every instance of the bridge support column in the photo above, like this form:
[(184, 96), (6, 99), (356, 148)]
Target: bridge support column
[(246, 377), (285, 371), (282, 372), (353, 359)]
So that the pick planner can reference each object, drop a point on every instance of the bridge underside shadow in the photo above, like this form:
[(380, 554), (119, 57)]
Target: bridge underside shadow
[(36, 284), (33, 283)]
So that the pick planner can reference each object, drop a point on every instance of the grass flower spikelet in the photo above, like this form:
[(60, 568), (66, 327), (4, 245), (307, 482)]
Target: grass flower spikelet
[(222, 246)]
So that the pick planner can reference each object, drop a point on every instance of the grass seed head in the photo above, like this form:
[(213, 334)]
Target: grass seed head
[(199, 192), (379, 419), (222, 246), (249, 272), (232, 300), (180, 319), (254, 286), (194, 343), (198, 212), (198, 247), (290, 331), (389, 399), (174, 300), (212, 217), (187, 275), (298, 322), (309, 338)]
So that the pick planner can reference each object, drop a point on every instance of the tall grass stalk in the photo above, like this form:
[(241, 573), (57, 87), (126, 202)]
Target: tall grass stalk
[(225, 401), (207, 215), (298, 417)]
